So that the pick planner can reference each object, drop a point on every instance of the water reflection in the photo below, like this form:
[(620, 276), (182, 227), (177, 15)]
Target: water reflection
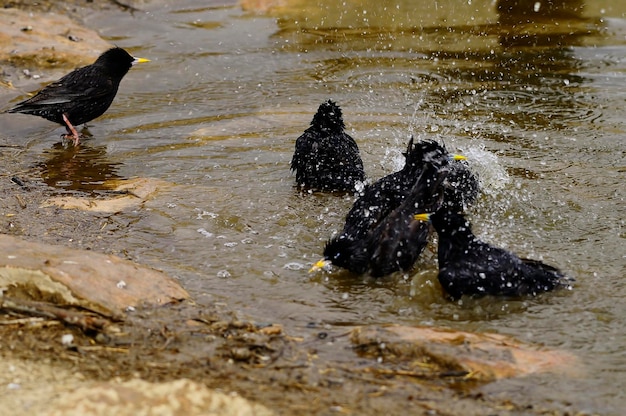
[(516, 57), (83, 168), (526, 11), (446, 26), (510, 69)]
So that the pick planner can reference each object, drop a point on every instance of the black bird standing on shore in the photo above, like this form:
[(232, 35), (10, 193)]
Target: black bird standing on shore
[(396, 241), (326, 158), (469, 266), (81, 95)]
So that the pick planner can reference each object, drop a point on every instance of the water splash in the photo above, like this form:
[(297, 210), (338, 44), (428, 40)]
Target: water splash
[(205, 233), (491, 174), (223, 274)]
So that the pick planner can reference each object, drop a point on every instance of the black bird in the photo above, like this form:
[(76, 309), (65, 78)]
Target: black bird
[(81, 95), (398, 239), (469, 266), (326, 158), (462, 186), (383, 196)]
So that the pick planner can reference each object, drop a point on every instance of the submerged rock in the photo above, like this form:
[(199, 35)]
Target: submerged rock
[(482, 357), (132, 192)]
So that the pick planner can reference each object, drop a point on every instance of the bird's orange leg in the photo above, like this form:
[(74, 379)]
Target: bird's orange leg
[(74, 134)]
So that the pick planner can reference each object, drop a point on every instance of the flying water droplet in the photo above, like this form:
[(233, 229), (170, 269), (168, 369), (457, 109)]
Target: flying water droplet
[(205, 232), (223, 274)]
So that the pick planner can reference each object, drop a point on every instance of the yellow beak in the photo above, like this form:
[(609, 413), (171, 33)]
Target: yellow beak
[(422, 217), (320, 264), (140, 60), (458, 157)]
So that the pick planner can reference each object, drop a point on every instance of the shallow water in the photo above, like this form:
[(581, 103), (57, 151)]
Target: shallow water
[(537, 105)]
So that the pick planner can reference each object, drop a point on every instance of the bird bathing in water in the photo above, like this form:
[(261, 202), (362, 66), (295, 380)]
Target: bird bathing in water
[(469, 266), (380, 235), (326, 158)]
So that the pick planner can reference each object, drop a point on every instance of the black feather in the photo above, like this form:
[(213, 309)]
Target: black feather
[(395, 240), (83, 94), (326, 158), (386, 194), (469, 266)]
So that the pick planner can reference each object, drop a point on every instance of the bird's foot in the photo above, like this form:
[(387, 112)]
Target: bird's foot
[(74, 136), (74, 139)]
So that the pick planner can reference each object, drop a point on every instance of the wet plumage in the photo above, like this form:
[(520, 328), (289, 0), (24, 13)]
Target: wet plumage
[(83, 94), (383, 196), (326, 158), (462, 186), (397, 240), (380, 235), (469, 266)]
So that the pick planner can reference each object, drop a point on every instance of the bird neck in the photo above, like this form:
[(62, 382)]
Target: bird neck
[(455, 233), (453, 246)]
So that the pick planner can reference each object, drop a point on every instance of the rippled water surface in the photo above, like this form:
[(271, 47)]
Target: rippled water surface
[(536, 101)]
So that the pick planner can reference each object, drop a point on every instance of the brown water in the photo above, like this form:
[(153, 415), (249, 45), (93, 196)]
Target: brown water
[(536, 101)]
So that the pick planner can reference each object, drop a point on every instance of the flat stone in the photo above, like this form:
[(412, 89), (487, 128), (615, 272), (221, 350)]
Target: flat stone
[(47, 40), (46, 389), (102, 283), (483, 357), (136, 191)]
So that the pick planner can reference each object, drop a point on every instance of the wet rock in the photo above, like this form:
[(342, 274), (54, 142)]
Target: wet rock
[(132, 192), (483, 357), (102, 283), (27, 384), (29, 39), (180, 397), (253, 123)]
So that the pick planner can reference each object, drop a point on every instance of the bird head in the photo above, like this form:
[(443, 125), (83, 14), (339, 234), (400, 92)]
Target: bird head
[(448, 222), (116, 61), (428, 152), (346, 252), (328, 117)]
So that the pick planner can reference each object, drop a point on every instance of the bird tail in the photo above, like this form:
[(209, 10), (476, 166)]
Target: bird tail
[(15, 109), (22, 107), (413, 155), (551, 276)]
